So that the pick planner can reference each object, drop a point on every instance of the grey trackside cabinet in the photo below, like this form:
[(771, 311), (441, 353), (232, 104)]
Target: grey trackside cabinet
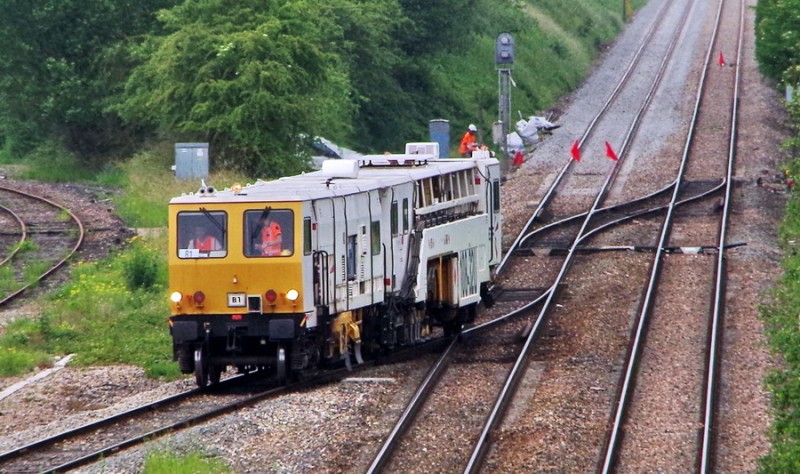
[(191, 160)]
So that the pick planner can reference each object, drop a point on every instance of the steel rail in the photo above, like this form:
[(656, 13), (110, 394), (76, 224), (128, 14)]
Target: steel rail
[(634, 215), (718, 309), (65, 435), (23, 234), (517, 371), (621, 207), (587, 132), (60, 263), (430, 380), (626, 391), (127, 416), (437, 369), (412, 408)]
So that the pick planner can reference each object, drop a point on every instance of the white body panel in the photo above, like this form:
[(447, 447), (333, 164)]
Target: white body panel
[(467, 239), (344, 202)]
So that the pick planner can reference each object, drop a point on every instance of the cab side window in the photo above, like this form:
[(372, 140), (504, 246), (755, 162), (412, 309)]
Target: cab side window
[(269, 233), (202, 234)]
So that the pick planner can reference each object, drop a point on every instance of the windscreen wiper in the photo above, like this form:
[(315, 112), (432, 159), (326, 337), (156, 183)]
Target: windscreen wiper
[(220, 227), (260, 224)]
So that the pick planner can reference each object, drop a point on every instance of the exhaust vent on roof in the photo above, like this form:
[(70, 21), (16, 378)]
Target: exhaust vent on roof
[(423, 148), (340, 168)]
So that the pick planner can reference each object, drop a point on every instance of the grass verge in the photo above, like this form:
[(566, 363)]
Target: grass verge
[(782, 324), (111, 311), (167, 463)]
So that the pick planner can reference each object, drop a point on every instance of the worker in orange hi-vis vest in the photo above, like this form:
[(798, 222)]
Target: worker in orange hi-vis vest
[(468, 142), (271, 237), (203, 241)]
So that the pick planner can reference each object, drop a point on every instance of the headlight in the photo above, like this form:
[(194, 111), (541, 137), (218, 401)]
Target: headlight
[(292, 295), (176, 297)]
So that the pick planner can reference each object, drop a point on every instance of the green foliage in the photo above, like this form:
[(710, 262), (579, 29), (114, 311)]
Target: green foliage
[(11, 282), (436, 27), (370, 73), (794, 142), (778, 39), (112, 311), (552, 57), (51, 162), (143, 267), (15, 362), (98, 318), (782, 322), (8, 283), (27, 245), (149, 184), (33, 270), (250, 76), (193, 463), (66, 64), (254, 78), (784, 458)]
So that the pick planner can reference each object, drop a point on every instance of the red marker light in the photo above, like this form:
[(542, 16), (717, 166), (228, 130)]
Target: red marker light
[(199, 297), (271, 296), (236, 317)]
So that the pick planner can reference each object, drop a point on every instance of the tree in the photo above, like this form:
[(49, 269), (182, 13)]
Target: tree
[(60, 66), (778, 37), (437, 27), (251, 77)]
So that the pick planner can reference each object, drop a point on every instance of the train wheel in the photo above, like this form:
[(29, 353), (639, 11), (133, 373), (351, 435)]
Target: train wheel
[(215, 374), (200, 368), (281, 365), (453, 328)]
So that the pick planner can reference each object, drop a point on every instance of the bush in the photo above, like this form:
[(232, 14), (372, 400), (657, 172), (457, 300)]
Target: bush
[(16, 362), (143, 267), (51, 162)]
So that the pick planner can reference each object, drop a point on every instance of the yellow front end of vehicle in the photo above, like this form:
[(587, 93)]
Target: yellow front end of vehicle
[(232, 275), (237, 291)]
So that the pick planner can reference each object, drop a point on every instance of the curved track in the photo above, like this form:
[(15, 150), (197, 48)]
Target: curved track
[(49, 234), (704, 451), (95, 440), (507, 391), (592, 223)]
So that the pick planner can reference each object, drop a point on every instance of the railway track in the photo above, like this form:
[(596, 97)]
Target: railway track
[(109, 435), (699, 323), (626, 226), (40, 236), (571, 233)]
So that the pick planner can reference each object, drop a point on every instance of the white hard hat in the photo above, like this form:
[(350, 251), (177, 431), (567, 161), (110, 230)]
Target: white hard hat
[(472, 127)]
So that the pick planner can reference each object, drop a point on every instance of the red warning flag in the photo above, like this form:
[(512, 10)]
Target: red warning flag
[(721, 59), (575, 151), (519, 158), (610, 152)]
